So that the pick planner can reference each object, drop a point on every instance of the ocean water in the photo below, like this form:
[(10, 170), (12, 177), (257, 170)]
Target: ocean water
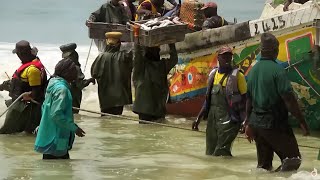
[(113, 148)]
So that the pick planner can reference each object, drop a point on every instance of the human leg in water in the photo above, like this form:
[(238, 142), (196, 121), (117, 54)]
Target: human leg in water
[(113, 110), (49, 156), (283, 143)]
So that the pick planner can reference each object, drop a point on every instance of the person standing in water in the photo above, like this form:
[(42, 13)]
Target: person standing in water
[(29, 77), (57, 128), (269, 98), (112, 70), (224, 106), (69, 52), (150, 81)]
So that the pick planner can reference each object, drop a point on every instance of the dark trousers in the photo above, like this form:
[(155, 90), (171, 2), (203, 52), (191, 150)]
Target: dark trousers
[(49, 156), (283, 143), (113, 110), (147, 117)]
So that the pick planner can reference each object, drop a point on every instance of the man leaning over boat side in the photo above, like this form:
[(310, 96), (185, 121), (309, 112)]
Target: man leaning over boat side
[(224, 106), (213, 20), (111, 12), (69, 52), (112, 70), (269, 98), (29, 78), (288, 2)]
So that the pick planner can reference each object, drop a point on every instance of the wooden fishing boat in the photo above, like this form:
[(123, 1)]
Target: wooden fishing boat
[(298, 33)]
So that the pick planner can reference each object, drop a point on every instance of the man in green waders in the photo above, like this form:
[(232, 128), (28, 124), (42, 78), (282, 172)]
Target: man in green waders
[(224, 106), (112, 70), (150, 81), (69, 52), (269, 98), (29, 77)]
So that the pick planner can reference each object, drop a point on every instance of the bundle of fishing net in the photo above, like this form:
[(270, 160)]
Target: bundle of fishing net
[(192, 14)]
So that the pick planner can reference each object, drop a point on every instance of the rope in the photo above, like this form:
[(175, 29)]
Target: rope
[(156, 123), (85, 66), (14, 103), (162, 124)]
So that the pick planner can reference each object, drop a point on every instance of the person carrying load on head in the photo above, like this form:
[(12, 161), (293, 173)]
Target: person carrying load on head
[(111, 12), (29, 78), (213, 20), (288, 2), (112, 70), (269, 98), (150, 81), (55, 135), (224, 107), (149, 9), (69, 52)]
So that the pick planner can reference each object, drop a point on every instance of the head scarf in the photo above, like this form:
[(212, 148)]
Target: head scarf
[(66, 69)]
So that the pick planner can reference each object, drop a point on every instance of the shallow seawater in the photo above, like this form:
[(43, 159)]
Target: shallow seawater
[(122, 149)]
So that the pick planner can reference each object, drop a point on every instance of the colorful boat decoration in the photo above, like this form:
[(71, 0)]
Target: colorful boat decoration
[(298, 33)]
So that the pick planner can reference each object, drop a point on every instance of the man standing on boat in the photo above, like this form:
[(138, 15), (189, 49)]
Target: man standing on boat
[(269, 98), (224, 106), (213, 20), (288, 2), (69, 52), (112, 70), (30, 78), (149, 9), (110, 12)]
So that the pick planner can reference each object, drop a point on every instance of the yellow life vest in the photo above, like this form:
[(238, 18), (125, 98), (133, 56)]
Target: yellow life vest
[(153, 9)]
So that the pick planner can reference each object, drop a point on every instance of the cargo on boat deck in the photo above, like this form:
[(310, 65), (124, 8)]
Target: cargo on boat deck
[(97, 30), (157, 32), (192, 14)]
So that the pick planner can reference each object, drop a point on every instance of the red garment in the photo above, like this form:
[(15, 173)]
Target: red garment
[(37, 63)]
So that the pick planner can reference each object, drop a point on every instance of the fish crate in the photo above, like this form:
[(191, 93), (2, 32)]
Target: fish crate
[(97, 30), (162, 35)]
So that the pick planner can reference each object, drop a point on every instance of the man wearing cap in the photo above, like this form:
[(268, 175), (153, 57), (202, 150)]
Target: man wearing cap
[(150, 81), (112, 70), (69, 52), (288, 2), (110, 12), (212, 19), (269, 98), (29, 77), (224, 107)]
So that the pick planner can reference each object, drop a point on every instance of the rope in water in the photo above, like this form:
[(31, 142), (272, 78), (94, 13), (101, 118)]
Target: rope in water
[(162, 124), (85, 66)]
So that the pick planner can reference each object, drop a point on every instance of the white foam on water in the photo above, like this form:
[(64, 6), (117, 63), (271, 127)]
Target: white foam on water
[(49, 55)]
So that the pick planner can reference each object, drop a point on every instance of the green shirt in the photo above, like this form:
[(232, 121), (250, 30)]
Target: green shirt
[(267, 81)]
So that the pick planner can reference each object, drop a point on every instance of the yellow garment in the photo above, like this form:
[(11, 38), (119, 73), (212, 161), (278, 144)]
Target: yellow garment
[(242, 84), (153, 9), (32, 75)]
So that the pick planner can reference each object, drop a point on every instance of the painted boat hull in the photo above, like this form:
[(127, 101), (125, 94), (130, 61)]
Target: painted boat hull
[(297, 32)]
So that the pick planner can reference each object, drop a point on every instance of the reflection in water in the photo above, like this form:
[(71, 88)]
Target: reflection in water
[(119, 149)]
